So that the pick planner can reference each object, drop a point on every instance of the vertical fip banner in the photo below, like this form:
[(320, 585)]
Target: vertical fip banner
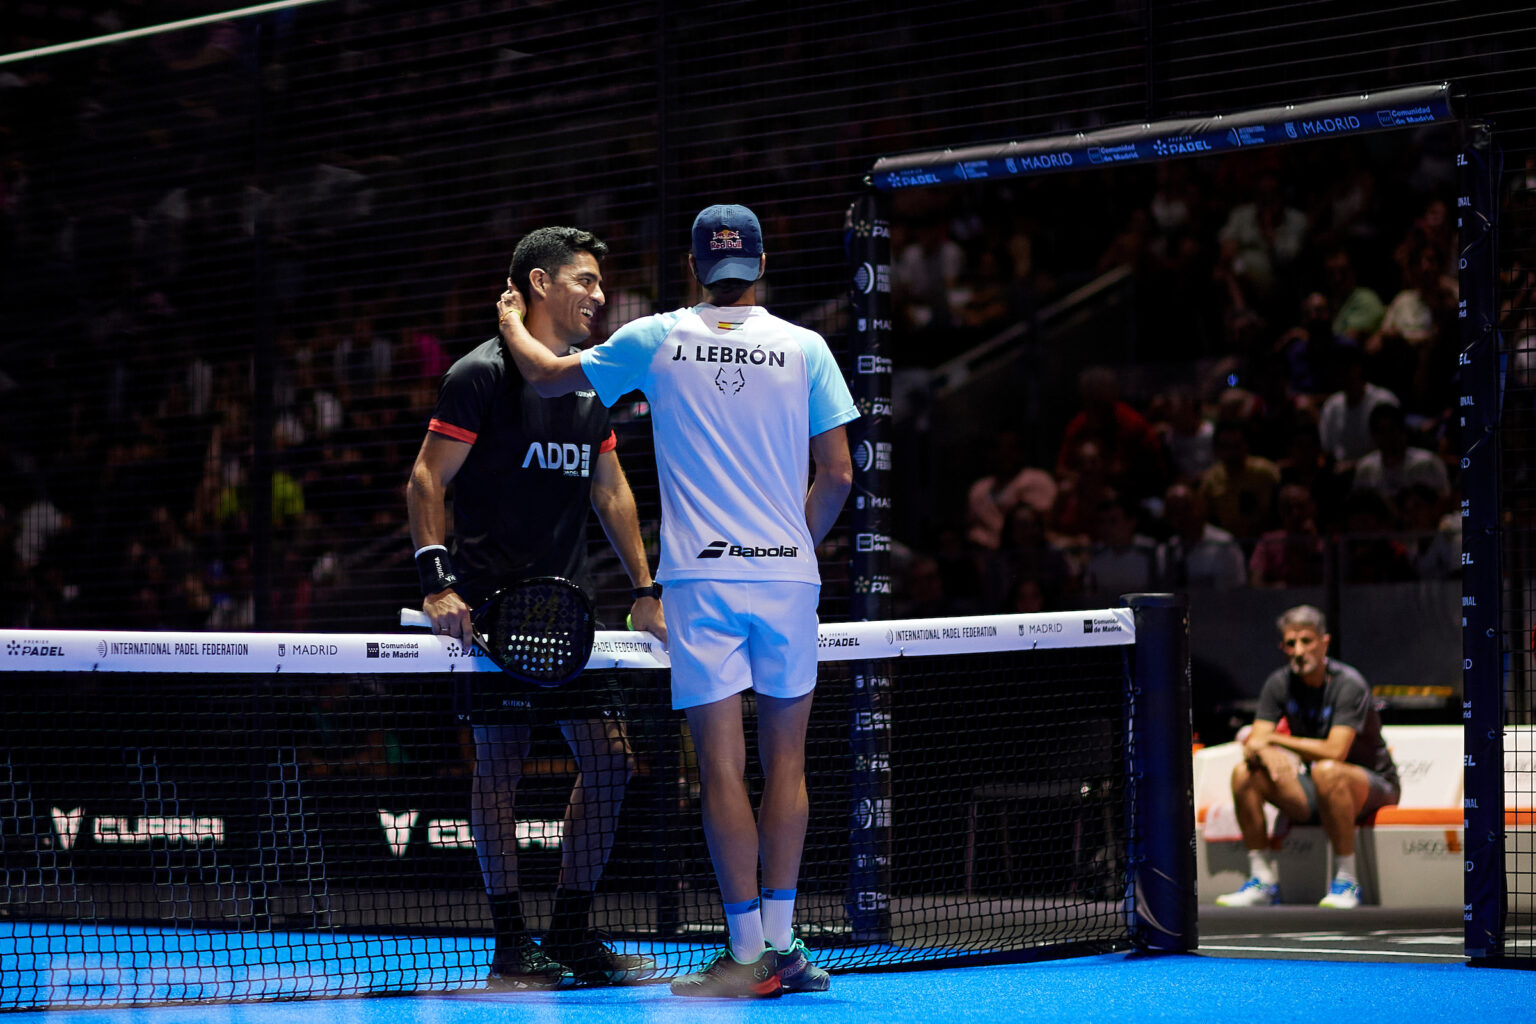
[(1482, 666), (867, 240)]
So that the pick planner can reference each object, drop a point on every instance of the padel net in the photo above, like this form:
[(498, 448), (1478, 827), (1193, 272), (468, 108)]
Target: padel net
[(254, 816)]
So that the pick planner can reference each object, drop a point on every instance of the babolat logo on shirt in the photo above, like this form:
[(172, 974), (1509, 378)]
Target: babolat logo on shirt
[(570, 459), (720, 548)]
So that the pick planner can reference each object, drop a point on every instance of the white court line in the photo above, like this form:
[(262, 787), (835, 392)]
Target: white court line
[(1327, 952), (171, 26)]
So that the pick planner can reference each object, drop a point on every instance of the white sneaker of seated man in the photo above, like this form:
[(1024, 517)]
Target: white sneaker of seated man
[(1253, 893), (1343, 894)]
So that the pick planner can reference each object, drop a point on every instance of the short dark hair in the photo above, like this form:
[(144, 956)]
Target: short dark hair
[(1386, 414), (551, 249), (727, 290)]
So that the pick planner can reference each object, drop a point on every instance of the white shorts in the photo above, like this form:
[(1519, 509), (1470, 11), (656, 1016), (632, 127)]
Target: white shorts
[(726, 636)]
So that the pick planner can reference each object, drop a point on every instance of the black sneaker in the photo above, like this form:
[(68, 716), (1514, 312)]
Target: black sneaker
[(520, 963), (724, 975), (798, 974), (594, 962)]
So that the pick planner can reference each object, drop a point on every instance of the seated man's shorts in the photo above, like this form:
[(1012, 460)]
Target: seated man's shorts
[(1383, 794), (728, 636)]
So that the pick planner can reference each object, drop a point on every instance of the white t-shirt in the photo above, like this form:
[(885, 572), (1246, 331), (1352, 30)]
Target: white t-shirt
[(1345, 429), (1418, 467), (736, 395)]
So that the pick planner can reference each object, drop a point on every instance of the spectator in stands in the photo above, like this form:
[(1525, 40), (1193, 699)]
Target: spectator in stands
[(1240, 487), (1261, 240), (1330, 766), (1310, 348), (1122, 560), (1080, 487), (1293, 555), (1348, 210), (1435, 546), (1029, 597), (1199, 555), (1308, 466), (1027, 553), (1395, 464), (980, 297), (1131, 449), (1371, 553), (1187, 436), (919, 593), (1399, 353), (1008, 484), (960, 570), (1357, 310), (1344, 423), (926, 270), (1275, 409)]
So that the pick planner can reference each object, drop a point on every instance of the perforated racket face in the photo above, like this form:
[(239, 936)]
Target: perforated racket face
[(539, 630)]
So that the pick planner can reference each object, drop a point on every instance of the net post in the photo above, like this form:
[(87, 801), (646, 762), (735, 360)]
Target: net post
[(1161, 886), (867, 243), (1483, 703)]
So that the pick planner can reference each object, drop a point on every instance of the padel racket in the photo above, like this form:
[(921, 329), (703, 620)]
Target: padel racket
[(538, 630)]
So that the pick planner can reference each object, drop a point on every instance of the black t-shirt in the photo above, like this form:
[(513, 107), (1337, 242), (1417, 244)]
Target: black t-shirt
[(522, 497), (1343, 699)]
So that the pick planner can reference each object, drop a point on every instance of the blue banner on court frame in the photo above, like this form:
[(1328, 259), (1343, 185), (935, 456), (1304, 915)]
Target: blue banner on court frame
[(1171, 139)]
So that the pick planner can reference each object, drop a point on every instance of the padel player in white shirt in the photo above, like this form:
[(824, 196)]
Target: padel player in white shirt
[(742, 402)]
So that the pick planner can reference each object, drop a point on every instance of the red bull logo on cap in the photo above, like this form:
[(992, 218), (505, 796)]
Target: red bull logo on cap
[(725, 238)]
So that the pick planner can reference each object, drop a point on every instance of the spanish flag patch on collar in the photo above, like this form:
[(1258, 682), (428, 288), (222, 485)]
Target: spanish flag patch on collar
[(726, 325)]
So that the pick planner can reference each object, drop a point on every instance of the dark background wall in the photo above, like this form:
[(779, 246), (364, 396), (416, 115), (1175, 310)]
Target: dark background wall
[(235, 258)]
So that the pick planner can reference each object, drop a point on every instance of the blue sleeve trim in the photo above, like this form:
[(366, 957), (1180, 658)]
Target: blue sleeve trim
[(623, 362)]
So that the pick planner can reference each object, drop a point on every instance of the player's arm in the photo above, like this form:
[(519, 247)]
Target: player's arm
[(834, 479), (614, 504), (550, 375), (1335, 746), (1259, 736), (437, 463)]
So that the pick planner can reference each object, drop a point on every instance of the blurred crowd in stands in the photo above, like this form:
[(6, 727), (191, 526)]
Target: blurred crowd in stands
[(1305, 296), (1302, 310)]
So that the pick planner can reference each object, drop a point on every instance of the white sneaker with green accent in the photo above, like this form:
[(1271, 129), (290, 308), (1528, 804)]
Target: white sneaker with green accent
[(1254, 893), (1341, 896)]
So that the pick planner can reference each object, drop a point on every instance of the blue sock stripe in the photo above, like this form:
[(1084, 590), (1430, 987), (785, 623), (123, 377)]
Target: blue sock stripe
[(744, 907), (779, 894)]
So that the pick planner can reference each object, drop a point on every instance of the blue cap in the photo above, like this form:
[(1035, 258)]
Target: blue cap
[(727, 242)]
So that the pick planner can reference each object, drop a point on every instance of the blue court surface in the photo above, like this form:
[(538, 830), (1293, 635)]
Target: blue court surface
[(1115, 987), (1311, 984)]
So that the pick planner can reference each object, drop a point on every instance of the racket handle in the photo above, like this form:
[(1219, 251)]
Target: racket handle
[(414, 617)]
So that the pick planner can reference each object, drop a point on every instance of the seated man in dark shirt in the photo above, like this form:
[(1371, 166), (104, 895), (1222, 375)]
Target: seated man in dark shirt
[(1332, 768)]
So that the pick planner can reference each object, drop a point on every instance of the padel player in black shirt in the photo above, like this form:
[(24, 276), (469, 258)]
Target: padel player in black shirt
[(524, 471)]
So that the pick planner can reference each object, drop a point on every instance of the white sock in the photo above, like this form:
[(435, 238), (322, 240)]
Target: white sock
[(1260, 867), (745, 922), (778, 918), (1344, 868)]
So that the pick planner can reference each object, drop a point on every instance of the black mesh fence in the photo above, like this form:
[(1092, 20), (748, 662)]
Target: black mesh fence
[(236, 257), (182, 836)]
